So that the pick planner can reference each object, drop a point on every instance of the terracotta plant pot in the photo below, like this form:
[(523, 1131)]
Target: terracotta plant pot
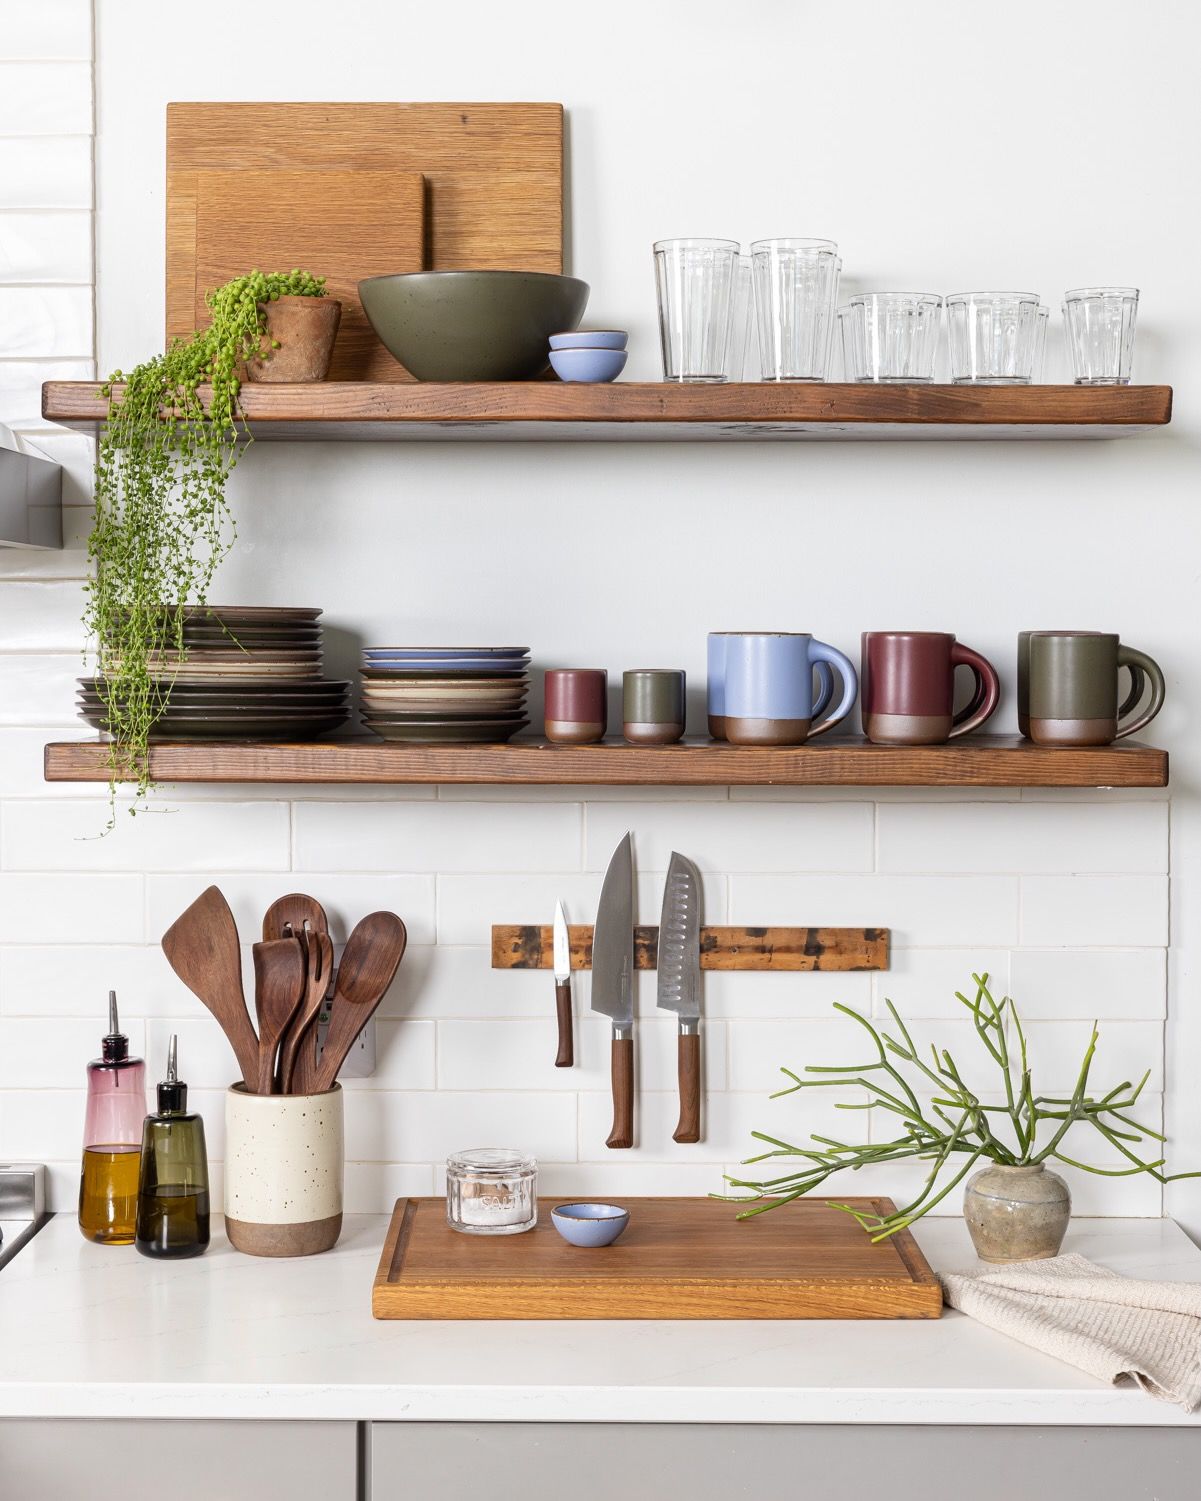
[(284, 1162), (305, 329), (1016, 1213)]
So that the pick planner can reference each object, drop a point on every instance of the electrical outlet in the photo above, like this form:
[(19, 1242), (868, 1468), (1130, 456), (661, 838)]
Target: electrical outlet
[(360, 1061)]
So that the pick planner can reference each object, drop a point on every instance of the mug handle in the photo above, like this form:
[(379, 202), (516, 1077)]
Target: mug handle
[(1128, 656), (987, 693), (825, 688), (1138, 681), (822, 651)]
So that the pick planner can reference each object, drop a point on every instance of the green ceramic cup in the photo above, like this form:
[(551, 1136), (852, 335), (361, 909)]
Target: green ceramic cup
[(652, 700), (1138, 680), (1072, 685)]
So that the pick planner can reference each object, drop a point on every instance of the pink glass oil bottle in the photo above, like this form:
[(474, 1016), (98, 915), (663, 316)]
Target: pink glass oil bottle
[(112, 1139)]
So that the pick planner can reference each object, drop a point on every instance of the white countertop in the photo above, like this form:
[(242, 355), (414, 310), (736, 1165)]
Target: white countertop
[(89, 1332)]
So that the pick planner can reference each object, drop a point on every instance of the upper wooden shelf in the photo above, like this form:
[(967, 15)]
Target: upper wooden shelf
[(975, 761), (552, 411)]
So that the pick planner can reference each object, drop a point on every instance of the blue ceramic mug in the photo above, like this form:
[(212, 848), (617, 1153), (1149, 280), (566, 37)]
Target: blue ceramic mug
[(768, 687), (715, 688)]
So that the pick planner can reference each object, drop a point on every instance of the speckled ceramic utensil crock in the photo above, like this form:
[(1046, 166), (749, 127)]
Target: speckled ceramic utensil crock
[(284, 1161), (1072, 682), (1016, 1213), (907, 688), (652, 701), (1138, 680)]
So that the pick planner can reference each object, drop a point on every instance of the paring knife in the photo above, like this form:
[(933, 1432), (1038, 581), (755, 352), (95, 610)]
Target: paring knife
[(562, 956), (680, 983), (613, 983)]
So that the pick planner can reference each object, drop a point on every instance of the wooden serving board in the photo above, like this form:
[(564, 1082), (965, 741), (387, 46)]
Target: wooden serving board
[(678, 1259), (493, 194)]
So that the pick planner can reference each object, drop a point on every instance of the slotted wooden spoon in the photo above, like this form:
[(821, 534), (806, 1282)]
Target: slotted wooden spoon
[(318, 972), (202, 948), (279, 988), (370, 960)]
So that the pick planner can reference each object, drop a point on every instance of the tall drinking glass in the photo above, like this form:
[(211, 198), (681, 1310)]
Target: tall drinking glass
[(741, 343), (1100, 322), (992, 336), (1040, 344), (796, 291), (695, 280)]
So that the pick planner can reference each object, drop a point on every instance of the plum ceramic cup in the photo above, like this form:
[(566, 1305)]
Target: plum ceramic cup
[(1138, 679), (768, 696), (284, 1161), (1073, 688), (907, 688), (652, 705), (577, 710)]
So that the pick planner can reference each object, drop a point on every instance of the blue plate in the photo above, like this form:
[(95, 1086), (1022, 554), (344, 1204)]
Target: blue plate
[(459, 664), (446, 651)]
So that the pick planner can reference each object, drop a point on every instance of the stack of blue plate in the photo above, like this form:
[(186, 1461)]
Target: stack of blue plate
[(445, 694)]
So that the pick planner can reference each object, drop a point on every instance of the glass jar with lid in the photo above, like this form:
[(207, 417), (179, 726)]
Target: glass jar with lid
[(491, 1191)]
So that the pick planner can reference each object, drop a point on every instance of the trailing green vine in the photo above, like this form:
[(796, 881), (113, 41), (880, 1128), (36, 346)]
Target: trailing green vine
[(162, 523)]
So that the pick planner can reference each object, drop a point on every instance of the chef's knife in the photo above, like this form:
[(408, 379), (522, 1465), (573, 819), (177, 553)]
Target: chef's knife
[(680, 983), (562, 953), (613, 983)]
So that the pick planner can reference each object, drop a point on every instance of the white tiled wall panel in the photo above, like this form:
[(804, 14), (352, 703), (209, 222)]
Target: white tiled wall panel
[(46, 247), (45, 99), (46, 172), (48, 29), (46, 321)]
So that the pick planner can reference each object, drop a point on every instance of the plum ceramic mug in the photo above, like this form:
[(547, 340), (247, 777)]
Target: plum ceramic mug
[(907, 688), (1073, 688), (577, 708), (1138, 679), (768, 687), (715, 686)]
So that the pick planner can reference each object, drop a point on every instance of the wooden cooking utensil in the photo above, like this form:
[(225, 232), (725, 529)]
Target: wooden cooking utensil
[(369, 961), (279, 988), (319, 968), (292, 915), (201, 946)]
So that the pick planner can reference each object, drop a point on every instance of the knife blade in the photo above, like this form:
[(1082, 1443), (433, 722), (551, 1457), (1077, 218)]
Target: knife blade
[(565, 1057), (679, 984), (613, 983)]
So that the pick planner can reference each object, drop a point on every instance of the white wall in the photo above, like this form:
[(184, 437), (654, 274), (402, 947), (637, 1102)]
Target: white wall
[(943, 152)]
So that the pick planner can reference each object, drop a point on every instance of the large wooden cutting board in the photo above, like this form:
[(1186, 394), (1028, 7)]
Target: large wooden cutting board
[(492, 197), (679, 1259)]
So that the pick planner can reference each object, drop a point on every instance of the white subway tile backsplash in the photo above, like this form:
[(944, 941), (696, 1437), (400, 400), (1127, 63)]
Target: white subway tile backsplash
[(210, 836), (39, 689), (22, 754), (74, 980), (739, 994), (51, 1052), (441, 982), (21, 387), (724, 837), (45, 98), (1125, 1050), (41, 616), (404, 1056), (49, 29), (69, 908), (624, 1179), (923, 982), (46, 1125), (437, 836), (47, 322), (48, 172), (1030, 839), (427, 1125), (1108, 984), (46, 247), (374, 1187), (1123, 911)]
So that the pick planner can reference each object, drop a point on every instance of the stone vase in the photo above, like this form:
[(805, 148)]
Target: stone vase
[(1016, 1213), (305, 329)]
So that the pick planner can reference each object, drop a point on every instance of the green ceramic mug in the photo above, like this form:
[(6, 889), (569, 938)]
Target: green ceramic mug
[(1138, 680), (1072, 687)]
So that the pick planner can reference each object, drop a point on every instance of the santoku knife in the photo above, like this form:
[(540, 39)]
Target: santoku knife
[(613, 983), (679, 987), (565, 1057)]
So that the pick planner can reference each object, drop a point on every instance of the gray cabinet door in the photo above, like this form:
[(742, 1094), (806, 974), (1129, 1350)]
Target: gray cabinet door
[(704, 1462), (154, 1459)]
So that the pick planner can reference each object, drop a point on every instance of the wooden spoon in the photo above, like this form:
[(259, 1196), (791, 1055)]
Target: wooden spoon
[(278, 990), (370, 960), (292, 916), (202, 948), (319, 968)]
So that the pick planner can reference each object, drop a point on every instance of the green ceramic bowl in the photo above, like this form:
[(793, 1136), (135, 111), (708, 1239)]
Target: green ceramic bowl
[(472, 325)]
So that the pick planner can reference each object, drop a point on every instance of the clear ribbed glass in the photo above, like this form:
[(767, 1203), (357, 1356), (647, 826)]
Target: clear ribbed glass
[(992, 337), (1040, 344), (796, 293), (890, 336), (695, 282), (1099, 323), (491, 1191)]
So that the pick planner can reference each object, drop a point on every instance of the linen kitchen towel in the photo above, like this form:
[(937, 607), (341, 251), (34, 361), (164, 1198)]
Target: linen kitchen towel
[(1111, 1326)]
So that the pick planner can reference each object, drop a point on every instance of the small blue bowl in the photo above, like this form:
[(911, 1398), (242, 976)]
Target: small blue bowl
[(610, 338), (593, 366), (590, 1224)]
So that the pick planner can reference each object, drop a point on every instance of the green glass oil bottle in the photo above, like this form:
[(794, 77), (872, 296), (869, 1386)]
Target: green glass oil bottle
[(173, 1182)]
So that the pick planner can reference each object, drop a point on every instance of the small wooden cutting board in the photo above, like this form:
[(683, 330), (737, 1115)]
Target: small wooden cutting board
[(679, 1259)]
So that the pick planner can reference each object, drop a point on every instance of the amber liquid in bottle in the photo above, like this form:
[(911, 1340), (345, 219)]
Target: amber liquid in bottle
[(108, 1193), (112, 1137)]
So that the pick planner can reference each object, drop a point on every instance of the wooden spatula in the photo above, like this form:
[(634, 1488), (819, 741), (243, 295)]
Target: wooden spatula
[(370, 960), (279, 974), (318, 971), (201, 946), (292, 916)]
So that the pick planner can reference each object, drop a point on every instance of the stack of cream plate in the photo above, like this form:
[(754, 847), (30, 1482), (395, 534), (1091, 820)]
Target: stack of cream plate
[(445, 694)]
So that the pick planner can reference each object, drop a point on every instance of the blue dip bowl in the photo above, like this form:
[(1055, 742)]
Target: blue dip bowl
[(593, 366), (590, 1224), (608, 338)]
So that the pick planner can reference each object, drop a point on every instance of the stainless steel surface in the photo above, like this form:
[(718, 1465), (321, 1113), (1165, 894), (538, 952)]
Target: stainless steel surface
[(613, 943), (562, 946), (31, 496), (22, 1205), (679, 985)]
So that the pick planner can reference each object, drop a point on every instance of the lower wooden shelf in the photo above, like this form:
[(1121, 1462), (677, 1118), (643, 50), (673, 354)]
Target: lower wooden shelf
[(976, 761)]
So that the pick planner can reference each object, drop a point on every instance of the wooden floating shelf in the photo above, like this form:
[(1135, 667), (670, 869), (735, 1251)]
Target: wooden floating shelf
[(553, 411), (766, 950), (975, 761)]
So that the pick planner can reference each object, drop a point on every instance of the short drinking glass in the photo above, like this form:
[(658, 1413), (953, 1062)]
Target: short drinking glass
[(695, 280), (796, 291), (890, 336), (1099, 323), (992, 337)]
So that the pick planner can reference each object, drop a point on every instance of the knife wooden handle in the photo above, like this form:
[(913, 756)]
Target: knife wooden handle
[(566, 1054), (689, 1056), (622, 1134)]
